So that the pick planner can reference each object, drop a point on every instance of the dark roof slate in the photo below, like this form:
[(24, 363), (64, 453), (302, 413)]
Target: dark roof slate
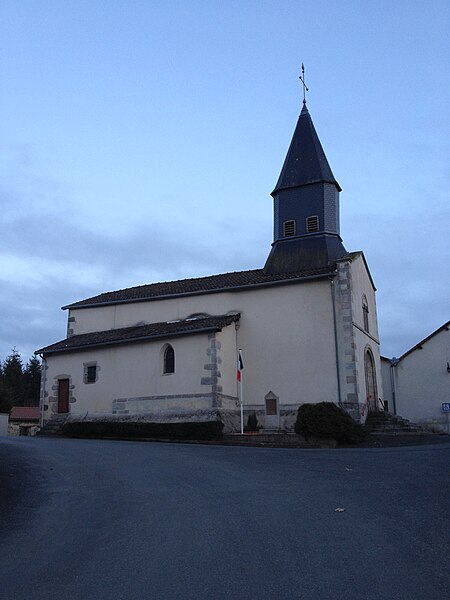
[(425, 340), (201, 285), (139, 333), (305, 161)]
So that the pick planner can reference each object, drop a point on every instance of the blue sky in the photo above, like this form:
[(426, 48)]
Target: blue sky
[(139, 142)]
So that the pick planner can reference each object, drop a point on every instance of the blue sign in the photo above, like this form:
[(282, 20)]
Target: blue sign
[(446, 406)]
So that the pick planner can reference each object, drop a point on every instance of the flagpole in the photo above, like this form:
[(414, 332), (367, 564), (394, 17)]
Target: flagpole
[(242, 406), (240, 368)]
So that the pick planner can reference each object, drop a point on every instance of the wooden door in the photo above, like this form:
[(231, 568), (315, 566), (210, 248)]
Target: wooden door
[(272, 417), (63, 395), (371, 383)]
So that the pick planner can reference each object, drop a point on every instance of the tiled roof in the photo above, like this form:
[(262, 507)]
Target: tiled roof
[(425, 340), (141, 333), (24, 413), (201, 285)]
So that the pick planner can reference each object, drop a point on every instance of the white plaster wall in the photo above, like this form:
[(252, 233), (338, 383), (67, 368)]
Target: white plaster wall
[(386, 381), (87, 320), (286, 334), (362, 285), (422, 382), (228, 357), (131, 370)]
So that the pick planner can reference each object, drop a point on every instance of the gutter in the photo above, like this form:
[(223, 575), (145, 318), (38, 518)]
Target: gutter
[(42, 390), (336, 345), (128, 341), (393, 363)]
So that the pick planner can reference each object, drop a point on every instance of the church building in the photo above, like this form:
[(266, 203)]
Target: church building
[(305, 323)]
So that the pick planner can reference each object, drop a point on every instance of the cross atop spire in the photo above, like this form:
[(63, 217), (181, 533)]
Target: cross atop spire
[(302, 79)]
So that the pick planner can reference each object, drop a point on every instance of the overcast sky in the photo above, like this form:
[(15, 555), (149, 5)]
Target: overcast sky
[(140, 141)]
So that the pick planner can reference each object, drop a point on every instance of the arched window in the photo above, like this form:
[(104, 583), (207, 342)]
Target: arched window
[(169, 360), (365, 309)]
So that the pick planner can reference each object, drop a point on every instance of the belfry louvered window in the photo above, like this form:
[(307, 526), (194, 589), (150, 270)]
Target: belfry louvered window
[(312, 224), (289, 228)]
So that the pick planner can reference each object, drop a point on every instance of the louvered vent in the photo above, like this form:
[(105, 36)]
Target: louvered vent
[(312, 224), (289, 228)]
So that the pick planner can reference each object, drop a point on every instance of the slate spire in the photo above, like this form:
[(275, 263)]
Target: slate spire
[(306, 206), (305, 161)]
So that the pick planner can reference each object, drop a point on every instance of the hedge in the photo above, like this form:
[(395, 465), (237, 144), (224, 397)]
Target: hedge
[(207, 430)]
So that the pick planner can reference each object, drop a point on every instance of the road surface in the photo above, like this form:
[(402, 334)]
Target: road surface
[(116, 520)]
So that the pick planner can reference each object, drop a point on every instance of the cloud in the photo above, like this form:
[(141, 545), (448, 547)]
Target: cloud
[(51, 256)]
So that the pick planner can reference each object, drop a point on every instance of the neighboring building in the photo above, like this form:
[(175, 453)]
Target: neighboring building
[(306, 323), (418, 383), (23, 420)]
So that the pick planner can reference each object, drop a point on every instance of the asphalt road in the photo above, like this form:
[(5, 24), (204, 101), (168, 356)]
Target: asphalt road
[(86, 519)]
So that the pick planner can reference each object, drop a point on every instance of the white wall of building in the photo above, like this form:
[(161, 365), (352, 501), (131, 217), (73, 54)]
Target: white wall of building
[(422, 382), (387, 387), (363, 286), (287, 336), (128, 371), (283, 331)]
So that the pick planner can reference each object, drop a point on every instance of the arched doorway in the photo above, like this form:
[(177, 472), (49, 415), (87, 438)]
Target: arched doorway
[(371, 381)]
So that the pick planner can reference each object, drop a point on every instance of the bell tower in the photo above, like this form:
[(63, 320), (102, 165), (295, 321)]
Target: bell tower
[(306, 206)]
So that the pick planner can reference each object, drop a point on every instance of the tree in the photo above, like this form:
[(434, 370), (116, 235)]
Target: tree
[(12, 377), (19, 386), (32, 382)]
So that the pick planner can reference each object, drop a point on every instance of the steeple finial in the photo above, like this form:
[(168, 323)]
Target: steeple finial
[(302, 79)]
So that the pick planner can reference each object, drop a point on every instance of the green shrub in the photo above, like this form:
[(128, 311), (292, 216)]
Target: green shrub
[(252, 422), (207, 430), (327, 420)]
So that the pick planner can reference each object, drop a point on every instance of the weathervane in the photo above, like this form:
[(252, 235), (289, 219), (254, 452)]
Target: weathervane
[(302, 79)]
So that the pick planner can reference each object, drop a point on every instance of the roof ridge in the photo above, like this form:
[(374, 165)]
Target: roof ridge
[(233, 280)]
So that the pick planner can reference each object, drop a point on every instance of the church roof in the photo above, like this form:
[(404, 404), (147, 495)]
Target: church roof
[(305, 161), (141, 333), (236, 281)]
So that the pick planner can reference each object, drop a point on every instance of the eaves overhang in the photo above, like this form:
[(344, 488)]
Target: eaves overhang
[(138, 334)]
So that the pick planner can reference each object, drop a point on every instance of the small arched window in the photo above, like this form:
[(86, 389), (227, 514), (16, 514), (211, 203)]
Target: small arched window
[(365, 309), (169, 360)]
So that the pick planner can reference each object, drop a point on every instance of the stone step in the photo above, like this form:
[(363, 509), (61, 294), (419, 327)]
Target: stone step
[(384, 422)]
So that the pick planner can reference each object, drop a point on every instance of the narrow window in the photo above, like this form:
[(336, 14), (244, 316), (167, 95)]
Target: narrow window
[(365, 309), (289, 228), (169, 360), (312, 224), (90, 372)]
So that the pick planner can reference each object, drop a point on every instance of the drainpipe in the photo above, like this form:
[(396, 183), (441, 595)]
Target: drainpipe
[(394, 362), (333, 302), (42, 391)]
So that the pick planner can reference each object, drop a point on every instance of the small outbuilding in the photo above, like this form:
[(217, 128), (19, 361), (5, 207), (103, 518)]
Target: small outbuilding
[(23, 420)]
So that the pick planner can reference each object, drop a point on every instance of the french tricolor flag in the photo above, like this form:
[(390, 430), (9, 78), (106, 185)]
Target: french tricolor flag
[(240, 366)]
